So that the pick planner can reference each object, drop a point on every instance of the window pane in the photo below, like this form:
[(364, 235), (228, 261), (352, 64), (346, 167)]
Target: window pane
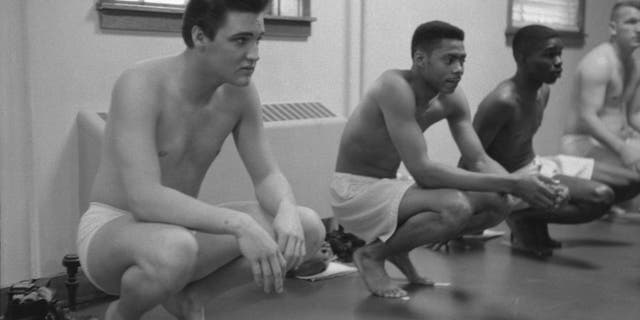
[(559, 14), (292, 8)]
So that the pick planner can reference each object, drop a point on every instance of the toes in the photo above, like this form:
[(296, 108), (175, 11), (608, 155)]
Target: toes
[(423, 282), (392, 293)]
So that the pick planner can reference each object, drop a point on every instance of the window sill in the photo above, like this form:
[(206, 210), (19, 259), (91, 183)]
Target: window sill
[(165, 18)]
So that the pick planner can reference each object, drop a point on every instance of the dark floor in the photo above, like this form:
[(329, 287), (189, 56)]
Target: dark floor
[(596, 275)]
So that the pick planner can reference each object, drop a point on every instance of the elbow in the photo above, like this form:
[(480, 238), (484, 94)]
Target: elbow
[(587, 118), (476, 164), (139, 203), (425, 180)]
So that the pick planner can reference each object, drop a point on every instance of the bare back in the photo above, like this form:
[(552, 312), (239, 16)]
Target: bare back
[(366, 147), (188, 137)]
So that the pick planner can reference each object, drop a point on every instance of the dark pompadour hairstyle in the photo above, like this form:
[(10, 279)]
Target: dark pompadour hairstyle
[(529, 38), (623, 3), (209, 15), (430, 33)]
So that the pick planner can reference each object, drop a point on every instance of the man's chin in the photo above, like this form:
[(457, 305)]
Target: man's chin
[(448, 89), (242, 82)]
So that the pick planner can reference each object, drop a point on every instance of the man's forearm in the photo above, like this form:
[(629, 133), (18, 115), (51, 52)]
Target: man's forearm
[(487, 165), (165, 205), (601, 133), (274, 192), (442, 176)]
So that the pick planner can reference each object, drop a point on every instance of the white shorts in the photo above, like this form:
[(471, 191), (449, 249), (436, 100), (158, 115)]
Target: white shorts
[(367, 206), (92, 220)]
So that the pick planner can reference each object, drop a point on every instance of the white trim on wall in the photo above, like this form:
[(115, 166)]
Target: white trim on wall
[(354, 37), (19, 254)]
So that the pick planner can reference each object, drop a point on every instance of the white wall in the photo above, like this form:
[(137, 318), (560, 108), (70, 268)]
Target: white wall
[(69, 64), (16, 149)]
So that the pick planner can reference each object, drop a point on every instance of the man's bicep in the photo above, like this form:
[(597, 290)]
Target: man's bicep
[(466, 138), (490, 118), (405, 133), (131, 136), (592, 91), (251, 142)]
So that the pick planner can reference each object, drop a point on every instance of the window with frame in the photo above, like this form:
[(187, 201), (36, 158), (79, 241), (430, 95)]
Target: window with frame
[(565, 16), (283, 19)]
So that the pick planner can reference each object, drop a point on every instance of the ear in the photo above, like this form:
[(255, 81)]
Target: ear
[(612, 28), (419, 58), (198, 36)]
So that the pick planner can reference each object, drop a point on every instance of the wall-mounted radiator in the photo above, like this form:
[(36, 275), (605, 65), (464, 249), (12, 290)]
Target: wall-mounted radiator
[(304, 138)]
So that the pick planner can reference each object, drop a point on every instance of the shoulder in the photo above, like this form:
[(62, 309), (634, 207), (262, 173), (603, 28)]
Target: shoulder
[(392, 82), (240, 99), (454, 102), (597, 63), (501, 100), (392, 90), (146, 79)]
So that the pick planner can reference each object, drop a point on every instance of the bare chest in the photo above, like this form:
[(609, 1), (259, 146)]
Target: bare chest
[(192, 139), (525, 122), (619, 89), (425, 117)]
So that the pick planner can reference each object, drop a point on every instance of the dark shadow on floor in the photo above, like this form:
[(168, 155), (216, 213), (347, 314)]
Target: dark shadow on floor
[(557, 259), (591, 242)]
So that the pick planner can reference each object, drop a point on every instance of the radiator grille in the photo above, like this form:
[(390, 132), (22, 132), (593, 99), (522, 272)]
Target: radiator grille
[(295, 111)]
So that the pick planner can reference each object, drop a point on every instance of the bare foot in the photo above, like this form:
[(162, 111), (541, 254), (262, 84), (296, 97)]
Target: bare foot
[(374, 274), (404, 264), (184, 307)]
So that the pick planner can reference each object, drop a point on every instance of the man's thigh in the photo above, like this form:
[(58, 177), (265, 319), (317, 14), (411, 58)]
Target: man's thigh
[(581, 189), (124, 242), (417, 200)]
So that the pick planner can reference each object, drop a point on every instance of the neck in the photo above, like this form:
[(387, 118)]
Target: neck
[(196, 83), (623, 52), (525, 83), (423, 91)]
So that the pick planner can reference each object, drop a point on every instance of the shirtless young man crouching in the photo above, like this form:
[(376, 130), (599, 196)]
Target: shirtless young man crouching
[(507, 121), (395, 216), (603, 122), (146, 237)]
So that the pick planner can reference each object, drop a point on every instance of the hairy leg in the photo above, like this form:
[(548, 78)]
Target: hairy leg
[(145, 270), (624, 182), (489, 209), (524, 225), (216, 252), (404, 264), (589, 200), (424, 216)]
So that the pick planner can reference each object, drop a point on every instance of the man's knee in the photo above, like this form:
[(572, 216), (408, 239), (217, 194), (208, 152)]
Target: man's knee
[(603, 195), (456, 211), (314, 231), (172, 263), (498, 210)]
